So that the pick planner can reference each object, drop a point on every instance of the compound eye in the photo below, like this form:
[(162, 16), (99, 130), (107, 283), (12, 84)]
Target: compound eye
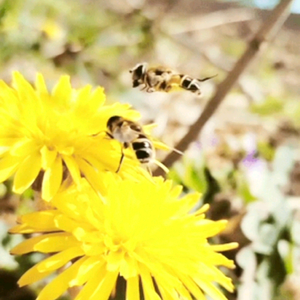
[(158, 72), (112, 120), (136, 127), (139, 71), (135, 83)]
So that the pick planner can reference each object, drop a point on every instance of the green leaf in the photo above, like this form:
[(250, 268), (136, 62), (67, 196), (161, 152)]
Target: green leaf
[(270, 106), (243, 189), (266, 150)]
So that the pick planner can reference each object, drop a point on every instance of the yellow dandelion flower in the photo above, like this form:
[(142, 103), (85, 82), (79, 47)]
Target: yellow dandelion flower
[(48, 133), (140, 232)]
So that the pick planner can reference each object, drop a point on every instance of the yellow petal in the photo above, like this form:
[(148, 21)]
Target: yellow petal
[(7, 92), (192, 287), (214, 274), (86, 109), (148, 287), (114, 259), (48, 157), (52, 242), (104, 290), (56, 243), (41, 221), (47, 104), (24, 147), (97, 99), (41, 85), (161, 145), (73, 168), (86, 270), (132, 289), (65, 223), (128, 267), (8, 166), (62, 92), (67, 151), (32, 275), (84, 235), (82, 97), (8, 141), (28, 99), (224, 247), (92, 283), (11, 127), (96, 249), (221, 260), (211, 290), (168, 294), (3, 150), (27, 172), (186, 295), (176, 191), (58, 260), (203, 209), (24, 90), (52, 179), (93, 177), (186, 204), (61, 283)]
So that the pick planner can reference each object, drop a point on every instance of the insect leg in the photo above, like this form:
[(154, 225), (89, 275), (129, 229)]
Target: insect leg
[(121, 159), (143, 87), (150, 89), (149, 169), (110, 135), (107, 133)]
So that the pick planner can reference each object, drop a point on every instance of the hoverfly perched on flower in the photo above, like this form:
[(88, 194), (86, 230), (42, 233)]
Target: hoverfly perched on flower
[(163, 79), (131, 134)]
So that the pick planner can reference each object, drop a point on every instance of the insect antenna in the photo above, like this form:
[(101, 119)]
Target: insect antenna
[(100, 132), (207, 78)]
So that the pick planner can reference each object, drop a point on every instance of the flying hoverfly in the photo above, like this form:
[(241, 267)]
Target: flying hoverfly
[(164, 79)]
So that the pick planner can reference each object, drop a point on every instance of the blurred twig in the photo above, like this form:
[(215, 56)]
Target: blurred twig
[(265, 33), (219, 18)]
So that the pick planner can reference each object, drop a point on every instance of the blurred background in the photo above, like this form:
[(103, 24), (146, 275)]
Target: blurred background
[(245, 162)]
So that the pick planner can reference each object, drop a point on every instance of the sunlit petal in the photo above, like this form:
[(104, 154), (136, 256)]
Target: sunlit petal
[(59, 285), (52, 179), (27, 172)]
